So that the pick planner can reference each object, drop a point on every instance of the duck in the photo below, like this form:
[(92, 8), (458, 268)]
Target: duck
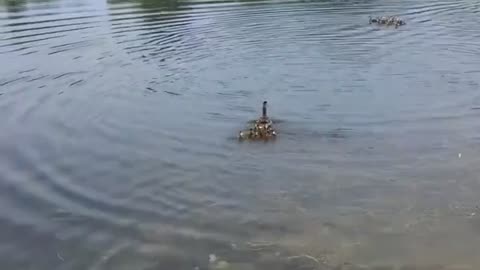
[(262, 128), (263, 120)]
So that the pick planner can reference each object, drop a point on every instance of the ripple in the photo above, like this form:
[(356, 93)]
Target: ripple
[(6, 82), (120, 121), (439, 8)]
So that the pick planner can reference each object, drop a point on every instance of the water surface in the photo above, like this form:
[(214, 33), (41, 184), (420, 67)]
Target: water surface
[(118, 123)]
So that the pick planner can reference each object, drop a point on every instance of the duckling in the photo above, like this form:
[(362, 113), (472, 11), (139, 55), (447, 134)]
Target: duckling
[(399, 22), (375, 20), (246, 134), (271, 132), (391, 20), (383, 20)]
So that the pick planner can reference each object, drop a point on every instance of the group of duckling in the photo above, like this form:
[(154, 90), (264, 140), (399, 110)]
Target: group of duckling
[(262, 128), (387, 20)]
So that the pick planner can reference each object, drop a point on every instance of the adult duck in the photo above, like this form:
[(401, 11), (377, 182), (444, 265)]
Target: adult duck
[(262, 128)]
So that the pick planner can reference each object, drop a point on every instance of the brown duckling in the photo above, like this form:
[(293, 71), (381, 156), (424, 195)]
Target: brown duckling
[(249, 134)]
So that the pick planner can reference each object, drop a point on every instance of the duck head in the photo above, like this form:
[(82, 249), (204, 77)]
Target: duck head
[(264, 109)]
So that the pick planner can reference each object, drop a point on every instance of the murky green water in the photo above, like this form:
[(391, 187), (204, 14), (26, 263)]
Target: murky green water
[(118, 122)]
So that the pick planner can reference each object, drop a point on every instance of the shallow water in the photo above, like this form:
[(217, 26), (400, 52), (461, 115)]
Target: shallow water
[(118, 124)]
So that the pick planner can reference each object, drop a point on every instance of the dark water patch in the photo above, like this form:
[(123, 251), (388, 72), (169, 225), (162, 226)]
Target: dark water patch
[(52, 14), (56, 20), (142, 25), (50, 33)]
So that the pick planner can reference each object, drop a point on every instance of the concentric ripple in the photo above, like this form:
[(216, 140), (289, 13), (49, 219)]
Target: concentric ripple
[(118, 123)]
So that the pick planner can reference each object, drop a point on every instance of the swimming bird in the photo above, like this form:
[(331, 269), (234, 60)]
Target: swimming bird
[(262, 128), (399, 22)]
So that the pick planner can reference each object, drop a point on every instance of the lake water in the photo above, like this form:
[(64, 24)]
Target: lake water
[(118, 124)]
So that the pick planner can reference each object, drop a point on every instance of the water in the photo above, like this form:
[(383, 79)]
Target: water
[(118, 124)]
